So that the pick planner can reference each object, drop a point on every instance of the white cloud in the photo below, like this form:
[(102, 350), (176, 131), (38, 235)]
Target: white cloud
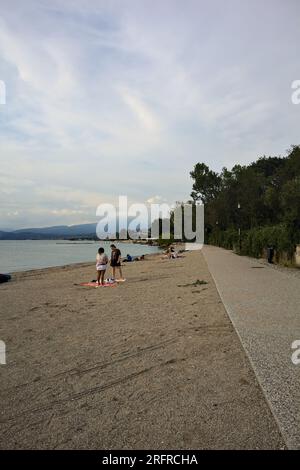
[(110, 98), (154, 199), (145, 116)]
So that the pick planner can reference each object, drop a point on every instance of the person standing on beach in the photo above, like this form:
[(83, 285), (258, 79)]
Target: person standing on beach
[(101, 265), (115, 261)]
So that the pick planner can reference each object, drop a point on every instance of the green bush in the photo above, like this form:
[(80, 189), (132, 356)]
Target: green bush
[(228, 239), (165, 242), (278, 236), (255, 240)]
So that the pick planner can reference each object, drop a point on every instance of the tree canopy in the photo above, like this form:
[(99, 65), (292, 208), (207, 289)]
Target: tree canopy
[(262, 194)]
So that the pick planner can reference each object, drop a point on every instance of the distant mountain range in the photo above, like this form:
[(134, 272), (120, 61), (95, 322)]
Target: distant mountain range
[(58, 232), (51, 233)]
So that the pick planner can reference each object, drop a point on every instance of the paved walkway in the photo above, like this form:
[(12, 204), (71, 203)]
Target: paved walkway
[(264, 306)]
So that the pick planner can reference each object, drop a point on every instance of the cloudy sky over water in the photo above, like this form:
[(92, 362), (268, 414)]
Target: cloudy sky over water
[(124, 97)]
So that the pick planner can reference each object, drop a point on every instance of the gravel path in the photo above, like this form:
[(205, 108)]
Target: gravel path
[(264, 305)]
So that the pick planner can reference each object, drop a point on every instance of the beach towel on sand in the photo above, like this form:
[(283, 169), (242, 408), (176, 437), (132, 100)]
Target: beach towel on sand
[(93, 284)]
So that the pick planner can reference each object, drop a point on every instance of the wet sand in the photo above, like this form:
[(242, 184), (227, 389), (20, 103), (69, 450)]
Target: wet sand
[(154, 363)]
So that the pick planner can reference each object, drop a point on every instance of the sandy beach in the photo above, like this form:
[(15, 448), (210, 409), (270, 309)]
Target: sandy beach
[(153, 363)]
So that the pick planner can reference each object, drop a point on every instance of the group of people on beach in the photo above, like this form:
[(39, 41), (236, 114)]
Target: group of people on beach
[(102, 263)]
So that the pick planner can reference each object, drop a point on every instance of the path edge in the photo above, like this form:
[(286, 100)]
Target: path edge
[(229, 314)]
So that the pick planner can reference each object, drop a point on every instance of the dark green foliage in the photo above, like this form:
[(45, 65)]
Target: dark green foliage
[(165, 242), (206, 183), (261, 199), (256, 239)]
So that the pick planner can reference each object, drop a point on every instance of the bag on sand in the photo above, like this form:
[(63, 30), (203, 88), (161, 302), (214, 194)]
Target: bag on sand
[(4, 278)]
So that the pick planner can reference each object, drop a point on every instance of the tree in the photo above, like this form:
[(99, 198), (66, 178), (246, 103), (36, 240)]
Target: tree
[(207, 183), (265, 193)]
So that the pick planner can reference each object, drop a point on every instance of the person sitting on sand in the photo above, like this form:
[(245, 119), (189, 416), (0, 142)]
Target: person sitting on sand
[(170, 253), (115, 261), (166, 254), (101, 265)]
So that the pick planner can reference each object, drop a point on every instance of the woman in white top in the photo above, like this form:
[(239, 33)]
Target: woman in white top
[(101, 265)]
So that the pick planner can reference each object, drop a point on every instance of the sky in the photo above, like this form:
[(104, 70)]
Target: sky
[(109, 98)]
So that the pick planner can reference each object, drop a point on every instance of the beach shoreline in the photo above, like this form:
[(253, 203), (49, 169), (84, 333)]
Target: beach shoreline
[(152, 363), (83, 264), (29, 255)]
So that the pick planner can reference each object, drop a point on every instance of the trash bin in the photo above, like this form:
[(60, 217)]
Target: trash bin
[(270, 254)]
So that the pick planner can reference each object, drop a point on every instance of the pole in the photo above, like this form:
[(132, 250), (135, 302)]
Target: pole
[(239, 219)]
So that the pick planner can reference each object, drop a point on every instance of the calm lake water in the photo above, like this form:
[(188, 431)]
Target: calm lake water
[(23, 255)]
